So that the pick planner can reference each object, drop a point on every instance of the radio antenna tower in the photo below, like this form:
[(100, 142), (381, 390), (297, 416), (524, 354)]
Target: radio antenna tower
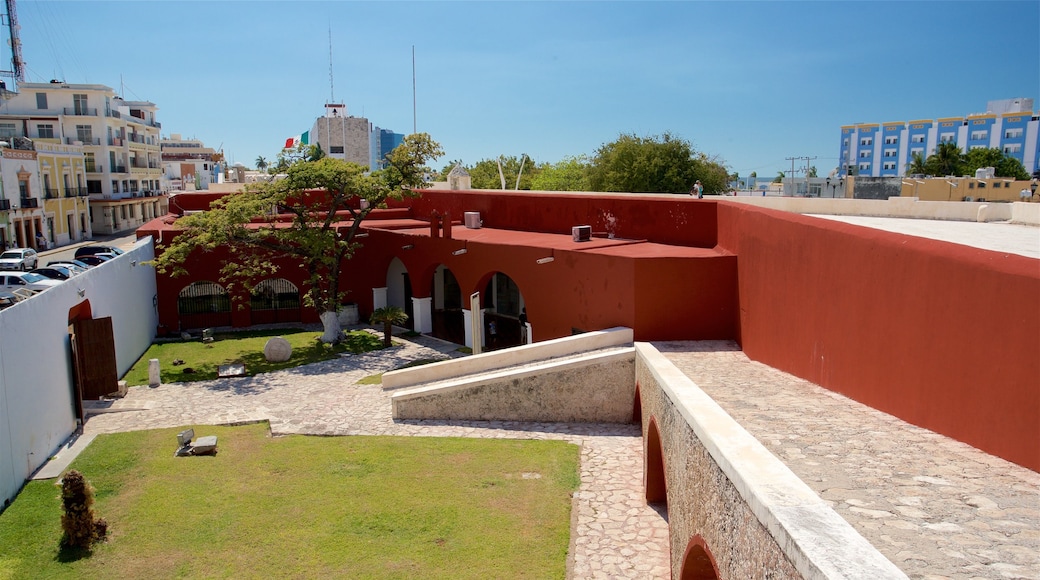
[(332, 90), (17, 64)]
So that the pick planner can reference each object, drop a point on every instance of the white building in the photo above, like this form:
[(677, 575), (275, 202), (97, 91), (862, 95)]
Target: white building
[(188, 165), (120, 141), (342, 136)]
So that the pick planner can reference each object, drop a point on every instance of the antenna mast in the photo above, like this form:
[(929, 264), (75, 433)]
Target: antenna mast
[(18, 65), (332, 90)]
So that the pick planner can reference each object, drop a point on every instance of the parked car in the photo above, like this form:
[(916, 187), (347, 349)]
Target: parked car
[(91, 250), (54, 272), (76, 266), (18, 259), (93, 260), (35, 282)]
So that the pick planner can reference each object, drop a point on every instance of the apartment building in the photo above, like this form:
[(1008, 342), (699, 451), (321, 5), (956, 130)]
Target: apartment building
[(119, 140), (885, 149), (188, 165), (382, 142)]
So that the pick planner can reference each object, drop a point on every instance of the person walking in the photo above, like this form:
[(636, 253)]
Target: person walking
[(698, 190)]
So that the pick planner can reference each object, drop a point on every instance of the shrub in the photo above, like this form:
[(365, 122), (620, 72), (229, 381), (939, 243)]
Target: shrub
[(359, 341), (79, 526)]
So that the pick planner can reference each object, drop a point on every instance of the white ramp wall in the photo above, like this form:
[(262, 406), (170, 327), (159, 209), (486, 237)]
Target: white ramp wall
[(37, 409)]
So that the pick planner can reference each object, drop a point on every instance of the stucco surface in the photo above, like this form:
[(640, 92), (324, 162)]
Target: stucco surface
[(598, 390)]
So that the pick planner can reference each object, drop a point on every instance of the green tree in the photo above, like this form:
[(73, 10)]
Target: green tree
[(388, 316), (656, 164), (568, 174), (316, 238), (779, 177), (947, 160), (485, 174), (261, 163), (1003, 164), (293, 155), (812, 171), (917, 164)]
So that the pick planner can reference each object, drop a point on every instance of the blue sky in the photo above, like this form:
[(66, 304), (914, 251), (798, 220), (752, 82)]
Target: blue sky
[(749, 82)]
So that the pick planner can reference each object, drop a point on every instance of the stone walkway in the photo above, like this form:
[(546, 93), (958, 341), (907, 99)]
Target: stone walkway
[(614, 533), (935, 507)]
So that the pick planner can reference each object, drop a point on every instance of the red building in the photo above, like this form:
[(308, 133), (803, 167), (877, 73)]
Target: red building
[(935, 333)]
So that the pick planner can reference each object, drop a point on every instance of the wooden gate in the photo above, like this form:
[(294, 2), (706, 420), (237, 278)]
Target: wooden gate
[(94, 357)]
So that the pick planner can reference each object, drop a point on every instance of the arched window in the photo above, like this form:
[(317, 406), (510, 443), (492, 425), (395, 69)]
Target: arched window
[(274, 300), (203, 304)]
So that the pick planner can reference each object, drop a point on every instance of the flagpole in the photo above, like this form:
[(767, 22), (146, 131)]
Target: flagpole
[(414, 130)]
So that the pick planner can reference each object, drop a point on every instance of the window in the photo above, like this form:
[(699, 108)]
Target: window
[(889, 165), (982, 185), (864, 166), (336, 149), (23, 187), (890, 153), (41, 101), (79, 104), (971, 185), (131, 211), (1012, 148), (917, 139), (844, 142), (866, 141), (864, 154), (1013, 133), (45, 131), (88, 161), (946, 138), (978, 135), (8, 130), (917, 150), (122, 211), (85, 133), (890, 140)]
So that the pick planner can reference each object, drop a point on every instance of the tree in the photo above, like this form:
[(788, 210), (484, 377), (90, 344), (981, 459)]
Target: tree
[(1003, 164), (779, 177), (917, 164), (812, 171), (317, 196), (947, 160), (293, 155), (261, 163), (656, 164), (485, 174), (388, 316), (568, 174)]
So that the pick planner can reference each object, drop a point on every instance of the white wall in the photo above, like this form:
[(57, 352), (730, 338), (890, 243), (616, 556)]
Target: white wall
[(36, 390)]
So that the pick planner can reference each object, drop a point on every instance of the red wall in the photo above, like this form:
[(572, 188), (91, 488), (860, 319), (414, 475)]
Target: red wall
[(940, 335)]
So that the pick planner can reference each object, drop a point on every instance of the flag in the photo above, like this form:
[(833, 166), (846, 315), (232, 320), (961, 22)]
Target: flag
[(297, 140)]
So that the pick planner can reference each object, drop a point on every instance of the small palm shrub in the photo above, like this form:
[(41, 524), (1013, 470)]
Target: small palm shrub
[(388, 316), (79, 525)]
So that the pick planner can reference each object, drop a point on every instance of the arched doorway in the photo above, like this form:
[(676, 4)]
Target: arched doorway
[(203, 304), (502, 304), (653, 467), (698, 563), (448, 320), (274, 300), (399, 289)]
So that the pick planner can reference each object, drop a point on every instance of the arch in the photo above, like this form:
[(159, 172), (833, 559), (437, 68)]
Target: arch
[(274, 300), (447, 306), (203, 304), (698, 563), (502, 302), (399, 289), (654, 482)]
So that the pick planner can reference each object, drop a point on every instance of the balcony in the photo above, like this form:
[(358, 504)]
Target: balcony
[(78, 141), (118, 169), (81, 111), (5, 204), (29, 202), (82, 192), (51, 193), (91, 168)]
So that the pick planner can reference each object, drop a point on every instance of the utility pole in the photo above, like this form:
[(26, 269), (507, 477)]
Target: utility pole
[(807, 159)]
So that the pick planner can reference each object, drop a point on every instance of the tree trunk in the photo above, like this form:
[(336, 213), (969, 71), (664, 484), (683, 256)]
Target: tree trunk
[(333, 332), (387, 332)]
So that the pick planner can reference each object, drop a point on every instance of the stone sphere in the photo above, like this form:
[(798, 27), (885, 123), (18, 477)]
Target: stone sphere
[(277, 349)]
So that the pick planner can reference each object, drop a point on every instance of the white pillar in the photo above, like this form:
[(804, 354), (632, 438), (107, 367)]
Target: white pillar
[(527, 333), (378, 298), (153, 372), (423, 314), (467, 324)]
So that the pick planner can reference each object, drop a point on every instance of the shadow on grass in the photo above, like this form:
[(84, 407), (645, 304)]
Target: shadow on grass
[(67, 554)]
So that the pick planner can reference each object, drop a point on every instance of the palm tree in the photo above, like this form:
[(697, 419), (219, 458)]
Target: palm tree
[(917, 164), (779, 177), (261, 163), (388, 316), (947, 159)]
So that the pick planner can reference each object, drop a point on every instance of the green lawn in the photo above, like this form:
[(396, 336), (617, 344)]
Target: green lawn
[(307, 507), (246, 347)]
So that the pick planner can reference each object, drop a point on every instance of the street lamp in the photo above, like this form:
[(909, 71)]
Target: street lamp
[(1032, 188), (952, 185), (829, 186)]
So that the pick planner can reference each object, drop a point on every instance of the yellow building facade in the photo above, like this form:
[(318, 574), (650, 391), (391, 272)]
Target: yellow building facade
[(66, 205)]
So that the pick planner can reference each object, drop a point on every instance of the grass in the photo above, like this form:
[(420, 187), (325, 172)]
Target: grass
[(307, 507), (245, 347)]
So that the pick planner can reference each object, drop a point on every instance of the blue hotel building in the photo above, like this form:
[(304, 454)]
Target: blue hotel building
[(885, 149), (381, 142)]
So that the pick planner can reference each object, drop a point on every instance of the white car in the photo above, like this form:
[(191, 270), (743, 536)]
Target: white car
[(18, 259), (12, 281)]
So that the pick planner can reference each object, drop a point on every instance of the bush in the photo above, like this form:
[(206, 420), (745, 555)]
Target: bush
[(79, 526)]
